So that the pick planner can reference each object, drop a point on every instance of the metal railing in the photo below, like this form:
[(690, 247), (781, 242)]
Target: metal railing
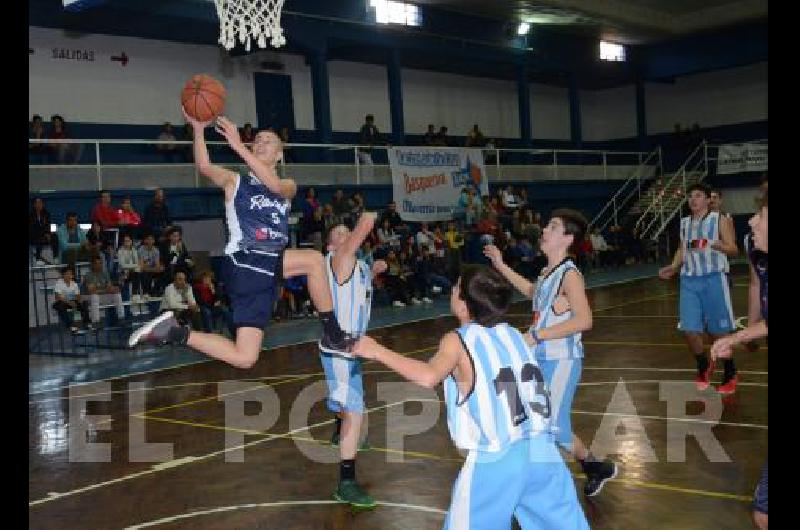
[(109, 169), (633, 188)]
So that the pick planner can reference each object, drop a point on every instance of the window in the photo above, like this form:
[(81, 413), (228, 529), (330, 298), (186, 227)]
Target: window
[(612, 52), (392, 12)]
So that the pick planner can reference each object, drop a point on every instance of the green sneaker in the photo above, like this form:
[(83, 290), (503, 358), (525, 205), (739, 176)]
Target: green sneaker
[(351, 493)]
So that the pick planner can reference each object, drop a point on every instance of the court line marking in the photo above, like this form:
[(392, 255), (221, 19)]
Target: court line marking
[(191, 459), (223, 509), (122, 376)]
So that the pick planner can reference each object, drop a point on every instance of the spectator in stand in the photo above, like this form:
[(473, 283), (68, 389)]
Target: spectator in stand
[(211, 305), (408, 247), (150, 266), (328, 217), (310, 203), (68, 298), (455, 244), (102, 244), (167, 148), (72, 240), (429, 280), (247, 134), (475, 137), (97, 284), (615, 245), (489, 153), (104, 213), (440, 248), (441, 137), (516, 223), (176, 256), (489, 230), (341, 208), (37, 151), (313, 228), (129, 221), (430, 136), (467, 204), (368, 136), (358, 207), (39, 234), (424, 238), (408, 264), (179, 299), (156, 215), (62, 153), (522, 197), (396, 284), (600, 248), (130, 272), (527, 256), (509, 198), (387, 237), (395, 221)]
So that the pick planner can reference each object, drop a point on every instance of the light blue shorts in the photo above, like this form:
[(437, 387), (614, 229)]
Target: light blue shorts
[(345, 387), (562, 377), (705, 304)]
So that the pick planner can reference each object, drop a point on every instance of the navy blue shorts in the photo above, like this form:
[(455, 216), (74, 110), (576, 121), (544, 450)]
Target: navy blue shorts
[(760, 497), (251, 281)]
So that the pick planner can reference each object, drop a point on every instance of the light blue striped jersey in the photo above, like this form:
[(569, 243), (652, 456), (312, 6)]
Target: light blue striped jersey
[(352, 299), (548, 287), (509, 400), (697, 235)]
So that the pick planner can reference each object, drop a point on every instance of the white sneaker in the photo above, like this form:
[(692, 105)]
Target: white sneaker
[(427, 300), (415, 301), (436, 289), (398, 303)]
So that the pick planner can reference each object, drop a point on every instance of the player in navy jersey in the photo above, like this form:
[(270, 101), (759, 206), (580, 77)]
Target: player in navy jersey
[(498, 410), (756, 329), (706, 242), (257, 207), (561, 313), (350, 282)]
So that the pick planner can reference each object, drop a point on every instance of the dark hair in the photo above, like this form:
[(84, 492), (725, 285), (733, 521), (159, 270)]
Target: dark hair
[(486, 293), (370, 117), (717, 191), (330, 230), (96, 258), (71, 214), (65, 270), (36, 117), (574, 225), (699, 186)]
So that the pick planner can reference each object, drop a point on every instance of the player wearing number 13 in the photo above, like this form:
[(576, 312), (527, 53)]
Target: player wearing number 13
[(498, 409)]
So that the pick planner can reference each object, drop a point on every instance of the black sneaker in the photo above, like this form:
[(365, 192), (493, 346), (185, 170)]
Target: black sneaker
[(606, 471), (343, 348), (155, 331)]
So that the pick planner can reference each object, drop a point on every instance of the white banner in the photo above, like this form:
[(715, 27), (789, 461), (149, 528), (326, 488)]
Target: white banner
[(427, 183), (740, 158)]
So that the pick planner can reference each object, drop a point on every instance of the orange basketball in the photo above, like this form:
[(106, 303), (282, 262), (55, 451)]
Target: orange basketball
[(203, 97)]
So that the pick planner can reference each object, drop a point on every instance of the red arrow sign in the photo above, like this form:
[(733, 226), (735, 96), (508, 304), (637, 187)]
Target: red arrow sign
[(121, 58)]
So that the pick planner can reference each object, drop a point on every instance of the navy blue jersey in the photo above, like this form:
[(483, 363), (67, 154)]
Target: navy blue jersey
[(256, 218), (759, 260)]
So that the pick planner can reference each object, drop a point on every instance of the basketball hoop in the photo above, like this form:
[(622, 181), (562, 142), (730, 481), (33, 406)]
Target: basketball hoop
[(250, 19)]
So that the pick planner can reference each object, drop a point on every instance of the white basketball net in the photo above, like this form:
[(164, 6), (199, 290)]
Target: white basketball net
[(250, 19)]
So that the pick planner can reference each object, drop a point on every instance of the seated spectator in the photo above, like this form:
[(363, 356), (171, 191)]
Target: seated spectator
[(408, 247), (328, 217), (395, 281), (295, 292), (179, 299), (62, 153), (509, 198), (73, 242), (489, 230), (522, 197), (600, 247), (37, 151), (210, 303), (424, 238), (313, 228), (168, 150), (455, 245), (175, 256), (248, 134), (387, 237), (97, 284), (310, 203), (39, 235), (130, 272), (430, 282), (395, 222), (129, 220), (68, 299), (150, 266), (341, 208), (408, 264), (103, 213), (441, 137), (156, 215), (102, 243), (475, 137), (439, 248), (357, 208), (430, 136)]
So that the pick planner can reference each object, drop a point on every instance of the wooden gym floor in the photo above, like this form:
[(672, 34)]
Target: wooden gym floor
[(633, 348)]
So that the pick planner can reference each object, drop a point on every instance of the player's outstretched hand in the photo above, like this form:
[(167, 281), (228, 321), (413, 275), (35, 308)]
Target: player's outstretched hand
[(723, 348), (228, 129), (366, 347), (196, 125), (665, 273), (494, 254)]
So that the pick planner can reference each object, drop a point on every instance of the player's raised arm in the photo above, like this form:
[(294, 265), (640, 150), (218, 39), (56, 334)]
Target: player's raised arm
[(220, 176), (522, 284), (427, 374)]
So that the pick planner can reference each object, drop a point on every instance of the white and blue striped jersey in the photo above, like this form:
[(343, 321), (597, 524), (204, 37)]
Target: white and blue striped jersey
[(509, 400), (547, 289), (256, 218), (697, 235), (352, 299)]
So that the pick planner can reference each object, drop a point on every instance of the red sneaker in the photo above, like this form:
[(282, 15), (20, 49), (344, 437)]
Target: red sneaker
[(729, 387), (702, 381)]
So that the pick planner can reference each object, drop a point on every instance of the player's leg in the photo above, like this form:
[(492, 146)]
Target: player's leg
[(486, 492), (721, 322), (299, 262), (548, 499), (692, 324)]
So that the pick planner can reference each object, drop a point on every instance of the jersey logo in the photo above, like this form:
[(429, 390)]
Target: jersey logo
[(259, 202)]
